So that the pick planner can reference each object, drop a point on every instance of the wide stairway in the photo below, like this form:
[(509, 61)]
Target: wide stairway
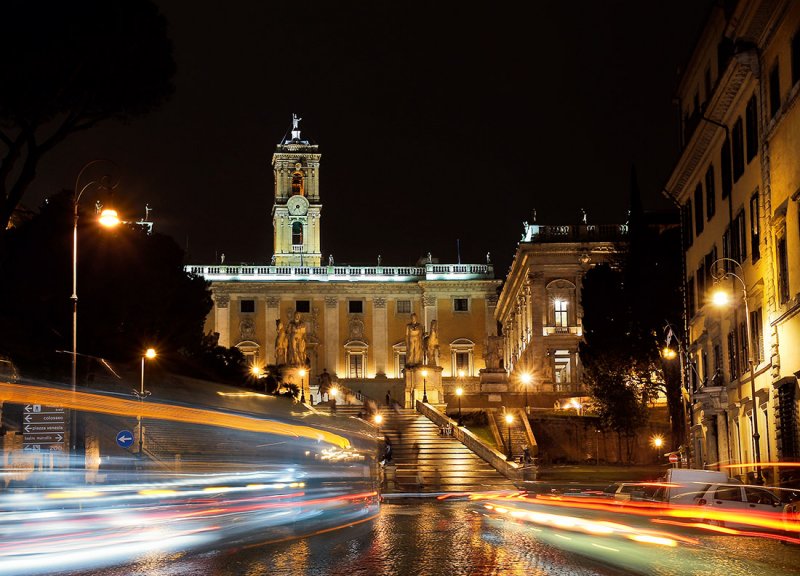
[(425, 461)]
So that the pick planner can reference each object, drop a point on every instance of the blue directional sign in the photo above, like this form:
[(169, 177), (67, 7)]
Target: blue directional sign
[(125, 438)]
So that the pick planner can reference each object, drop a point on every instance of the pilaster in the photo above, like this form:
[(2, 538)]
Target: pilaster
[(379, 330)]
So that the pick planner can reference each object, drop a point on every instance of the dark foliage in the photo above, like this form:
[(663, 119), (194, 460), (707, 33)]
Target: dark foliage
[(67, 66)]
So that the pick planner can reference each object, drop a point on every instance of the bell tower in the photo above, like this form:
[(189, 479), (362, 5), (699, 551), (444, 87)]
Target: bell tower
[(296, 211)]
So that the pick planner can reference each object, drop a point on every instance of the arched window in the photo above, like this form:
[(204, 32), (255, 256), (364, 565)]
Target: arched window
[(250, 350), (298, 187), (461, 356), (356, 359), (297, 233)]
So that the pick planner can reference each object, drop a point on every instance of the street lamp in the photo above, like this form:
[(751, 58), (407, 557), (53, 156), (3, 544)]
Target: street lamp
[(720, 298), (509, 420), (107, 218), (526, 378), (459, 392), (302, 374), (424, 387), (657, 441), (141, 394), (669, 353), (378, 420)]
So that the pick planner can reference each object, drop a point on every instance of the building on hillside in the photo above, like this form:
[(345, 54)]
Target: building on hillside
[(737, 181), (539, 307), (355, 317)]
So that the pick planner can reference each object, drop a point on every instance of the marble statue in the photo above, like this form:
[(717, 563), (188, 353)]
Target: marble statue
[(413, 342), (432, 345), (494, 352), (281, 343), (295, 122), (297, 341)]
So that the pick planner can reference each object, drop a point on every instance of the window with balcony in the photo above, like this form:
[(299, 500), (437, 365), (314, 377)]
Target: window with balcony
[(560, 313), (297, 234), (757, 335), (733, 359), (783, 268)]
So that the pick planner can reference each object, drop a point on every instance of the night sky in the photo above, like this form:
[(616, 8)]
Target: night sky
[(436, 122)]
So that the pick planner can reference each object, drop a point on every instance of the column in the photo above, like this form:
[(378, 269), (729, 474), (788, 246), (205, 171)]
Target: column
[(331, 334), (271, 315), (222, 319), (429, 310), (379, 336)]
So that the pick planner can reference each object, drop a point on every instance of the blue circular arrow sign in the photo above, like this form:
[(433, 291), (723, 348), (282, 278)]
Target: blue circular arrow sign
[(125, 438)]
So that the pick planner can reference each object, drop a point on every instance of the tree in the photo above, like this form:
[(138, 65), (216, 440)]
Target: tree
[(133, 291), (67, 66)]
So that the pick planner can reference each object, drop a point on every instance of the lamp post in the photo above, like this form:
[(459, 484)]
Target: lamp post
[(378, 420), (424, 387), (720, 298), (302, 373), (526, 378), (141, 394), (657, 441), (669, 353), (108, 218), (459, 392), (509, 420)]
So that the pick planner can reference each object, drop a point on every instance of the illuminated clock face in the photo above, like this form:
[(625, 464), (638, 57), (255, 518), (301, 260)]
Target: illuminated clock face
[(297, 205)]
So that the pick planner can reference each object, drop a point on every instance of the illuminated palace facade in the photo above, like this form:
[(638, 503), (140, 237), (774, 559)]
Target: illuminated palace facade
[(355, 316), (539, 307), (738, 182)]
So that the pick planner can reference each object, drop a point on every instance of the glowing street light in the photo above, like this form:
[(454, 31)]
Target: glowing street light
[(424, 387), (722, 298), (302, 373), (459, 392), (509, 420), (149, 354), (378, 419), (526, 379), (104, 183)]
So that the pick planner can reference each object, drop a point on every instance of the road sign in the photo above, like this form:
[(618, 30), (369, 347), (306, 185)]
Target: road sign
[(44, 427), (125, 438), (673, 458)]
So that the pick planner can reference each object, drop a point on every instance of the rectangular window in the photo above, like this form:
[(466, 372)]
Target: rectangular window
[(698, 209), (701, 284), (725, 168), (708, 266), (460, 304), (462, 362), (737, 136), (755, 228), (690, 301), (355, 307), (356, 365), (716, 378), (757, 336), (744, 357), (795, 58), (247, 306), (751, 121), (404, 306), (686, 214), (302, 306), (774, 90), (733, 361), (783, 269), (711, 192), (704, 366), (560, 310)]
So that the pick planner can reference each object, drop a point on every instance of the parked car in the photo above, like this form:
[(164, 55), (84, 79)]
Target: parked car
[(637, 491), (738, 498), (683, 485)]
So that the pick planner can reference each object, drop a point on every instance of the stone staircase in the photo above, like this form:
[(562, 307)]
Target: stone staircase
[(425, 461)]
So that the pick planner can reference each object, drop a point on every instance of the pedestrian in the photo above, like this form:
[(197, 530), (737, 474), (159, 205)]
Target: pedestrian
[(388, 399), (387, 455), (333, 405), (416, 451)]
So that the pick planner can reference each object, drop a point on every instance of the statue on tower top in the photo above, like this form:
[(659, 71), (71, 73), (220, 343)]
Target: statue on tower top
[(295, 127)]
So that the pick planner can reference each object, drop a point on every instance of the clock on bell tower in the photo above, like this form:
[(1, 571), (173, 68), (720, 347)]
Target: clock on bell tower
[(296, 210)]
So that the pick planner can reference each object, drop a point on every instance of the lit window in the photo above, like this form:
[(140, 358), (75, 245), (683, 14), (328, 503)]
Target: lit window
[(460, 305), (461, 356), (560, 309)]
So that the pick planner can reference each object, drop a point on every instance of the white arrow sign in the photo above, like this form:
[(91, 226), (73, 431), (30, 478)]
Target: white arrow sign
[(125, 438), (27, 417)]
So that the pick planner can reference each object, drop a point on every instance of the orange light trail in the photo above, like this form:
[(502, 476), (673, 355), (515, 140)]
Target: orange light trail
[(88, 402)]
